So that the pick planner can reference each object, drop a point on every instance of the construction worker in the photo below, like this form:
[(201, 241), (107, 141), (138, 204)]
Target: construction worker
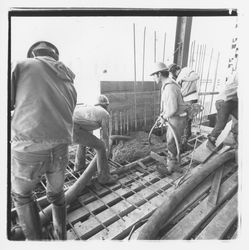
[(173, 111), (226, 105), (86, 119), (43, 99), (187, 79)]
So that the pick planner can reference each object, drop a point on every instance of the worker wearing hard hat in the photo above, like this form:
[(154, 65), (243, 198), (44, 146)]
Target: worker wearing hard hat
[(86, 119), (43, 99), (187, 80), (172, 110)]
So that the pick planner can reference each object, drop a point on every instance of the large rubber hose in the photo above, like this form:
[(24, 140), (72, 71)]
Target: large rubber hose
[(162, 214), (174, 135)]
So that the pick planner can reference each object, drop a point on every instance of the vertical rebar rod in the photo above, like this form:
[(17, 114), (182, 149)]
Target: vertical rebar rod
[(197, 54), (154, 82), (190, 54), (201, 77), (144, 39), (164, 44), (209, 66), (135, 77), (214, 84), (154, 46), (193, 54), (199, 60)]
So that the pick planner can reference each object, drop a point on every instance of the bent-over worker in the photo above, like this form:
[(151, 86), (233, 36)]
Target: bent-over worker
[(86, 119)]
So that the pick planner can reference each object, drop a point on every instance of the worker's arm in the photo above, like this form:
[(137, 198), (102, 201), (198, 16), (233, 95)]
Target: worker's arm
[(104, 133), (193, 76), (170, 102)]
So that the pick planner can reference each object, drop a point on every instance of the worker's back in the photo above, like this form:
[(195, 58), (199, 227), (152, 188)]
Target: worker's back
[(44, 99), (90, 117)]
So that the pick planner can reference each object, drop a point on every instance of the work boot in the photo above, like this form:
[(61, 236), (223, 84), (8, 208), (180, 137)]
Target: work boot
[(211, 143), (108, 179), (174, 166), (59, 222), (162, 170), (29, 219)]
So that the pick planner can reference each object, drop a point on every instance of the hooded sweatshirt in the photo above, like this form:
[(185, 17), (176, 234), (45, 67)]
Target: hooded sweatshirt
[(43, 98)]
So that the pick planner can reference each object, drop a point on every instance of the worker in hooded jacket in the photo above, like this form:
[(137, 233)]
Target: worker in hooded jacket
[(43, 99), (173, 110), (88, 118)]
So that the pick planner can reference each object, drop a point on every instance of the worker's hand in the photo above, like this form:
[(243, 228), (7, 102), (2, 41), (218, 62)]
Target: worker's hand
[(218, 104), (160, 121)]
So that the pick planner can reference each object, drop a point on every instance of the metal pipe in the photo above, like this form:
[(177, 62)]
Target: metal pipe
[(163, 213)]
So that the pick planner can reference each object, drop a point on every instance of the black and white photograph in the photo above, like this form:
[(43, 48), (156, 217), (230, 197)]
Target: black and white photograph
[(124, 125)]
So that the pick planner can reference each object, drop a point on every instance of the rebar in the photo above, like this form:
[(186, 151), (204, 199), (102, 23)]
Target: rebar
[(215, 78)]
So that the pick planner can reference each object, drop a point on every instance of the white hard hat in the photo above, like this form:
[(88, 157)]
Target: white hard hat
[(102, 100), (158, 67)]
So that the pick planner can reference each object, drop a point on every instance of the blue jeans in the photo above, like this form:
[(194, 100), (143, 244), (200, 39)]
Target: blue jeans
[(27, 168)]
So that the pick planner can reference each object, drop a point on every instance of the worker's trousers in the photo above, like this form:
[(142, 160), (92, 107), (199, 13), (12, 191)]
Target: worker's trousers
[(188, 130), (85, 138), (178, 124), (27, 169), (224, 110)]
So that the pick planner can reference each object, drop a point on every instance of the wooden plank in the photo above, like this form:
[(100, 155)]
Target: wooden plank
[(123, 86), (220, 224), (213, 195), (90, 202), (124, 207), (202, 152), (191, 222), (158, 158), (195, 195)]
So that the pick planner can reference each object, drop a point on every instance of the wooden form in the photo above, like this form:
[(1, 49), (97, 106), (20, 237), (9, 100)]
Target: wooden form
[(114, 212), (163, 213), (131, 108)]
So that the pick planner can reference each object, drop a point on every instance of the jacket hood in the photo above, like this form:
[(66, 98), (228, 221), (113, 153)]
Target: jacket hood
[(60, 68)]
